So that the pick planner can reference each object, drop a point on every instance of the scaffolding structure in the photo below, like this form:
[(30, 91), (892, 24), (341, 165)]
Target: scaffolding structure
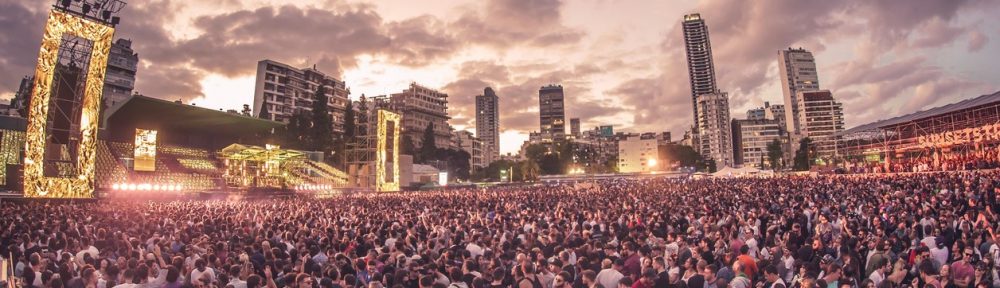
[(969, 125), (372, 156)]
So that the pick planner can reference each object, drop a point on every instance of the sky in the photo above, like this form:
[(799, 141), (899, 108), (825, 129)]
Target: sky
[(621, 62)]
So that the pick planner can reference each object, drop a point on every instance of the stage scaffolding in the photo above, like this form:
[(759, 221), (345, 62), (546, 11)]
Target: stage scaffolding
[(969, 125)]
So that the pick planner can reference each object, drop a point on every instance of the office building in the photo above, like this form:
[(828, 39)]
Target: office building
[(701, 68), (797, 69), (488, 124), (470, 144), (751, 138), (821, 117), (714, 133), (281, 91), (552, 113), (637, 154), (119, 80), (420, 107)]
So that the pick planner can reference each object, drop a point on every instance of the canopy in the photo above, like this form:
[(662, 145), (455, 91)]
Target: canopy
[(257, 153), (740, 172)]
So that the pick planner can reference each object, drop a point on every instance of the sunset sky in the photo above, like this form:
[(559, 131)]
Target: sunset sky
[(621, 61)]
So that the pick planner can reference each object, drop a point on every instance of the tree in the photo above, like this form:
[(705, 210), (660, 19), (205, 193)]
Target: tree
[(246, 110), (804, 155), (406, 146), (350, 125), (774, 154), (683, 155), (428, 148), (321, 130), (456, 161)]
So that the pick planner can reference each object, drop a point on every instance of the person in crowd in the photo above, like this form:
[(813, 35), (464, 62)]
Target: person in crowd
[(867, 230)]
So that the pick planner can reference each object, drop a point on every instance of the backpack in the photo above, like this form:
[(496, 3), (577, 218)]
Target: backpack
[(535, 283)]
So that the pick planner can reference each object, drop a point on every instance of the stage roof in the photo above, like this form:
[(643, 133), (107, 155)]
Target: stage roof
[(162, 114), (257, 153), (940, 110)]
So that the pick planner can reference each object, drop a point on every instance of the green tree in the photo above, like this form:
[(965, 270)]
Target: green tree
[(774, 154), (804, 155), (350, 124), (456, 161), (321, 130), (406, 146), (428, 149), (683, 155)]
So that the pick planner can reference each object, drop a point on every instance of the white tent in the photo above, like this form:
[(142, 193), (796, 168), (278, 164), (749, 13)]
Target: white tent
[(740, 172)]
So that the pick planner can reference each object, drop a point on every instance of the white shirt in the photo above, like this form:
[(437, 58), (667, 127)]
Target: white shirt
[(474, 250), (609, 277), (876, 277), (196, 275)]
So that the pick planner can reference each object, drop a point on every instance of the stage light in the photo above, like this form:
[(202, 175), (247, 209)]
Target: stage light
[(106, 15), (131, 186), (65, 3), (86, 8), (651, 163), (180, 188), (115, 186), (115, 20), (156, 187)]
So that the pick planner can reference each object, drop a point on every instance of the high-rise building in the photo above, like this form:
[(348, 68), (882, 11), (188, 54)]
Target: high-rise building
[(488, 124), (282, 91), (820, 118), (797, 69), (552, 113), (714, 133), (470, 144), (420, 107), (776, 112), (751, 138), (574, 127), (701, 68), (757, 113), (638, 154), (119, 80)]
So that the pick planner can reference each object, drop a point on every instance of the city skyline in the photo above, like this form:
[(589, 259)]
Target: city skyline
[(626, 69)]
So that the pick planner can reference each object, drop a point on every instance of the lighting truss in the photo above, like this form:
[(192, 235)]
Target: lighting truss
[(36, 184)]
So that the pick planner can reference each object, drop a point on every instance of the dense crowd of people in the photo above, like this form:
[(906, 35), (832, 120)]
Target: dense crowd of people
[(918, 230), (975, 159)]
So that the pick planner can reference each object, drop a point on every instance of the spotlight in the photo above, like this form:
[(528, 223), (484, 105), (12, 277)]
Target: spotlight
[(156, 187), (115, 186), (106, 14), (131, 186), (85, 8), (65, 3), (179, 187)]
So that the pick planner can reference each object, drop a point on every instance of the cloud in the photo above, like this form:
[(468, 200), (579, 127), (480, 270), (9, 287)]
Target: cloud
[(977, 40), (505, 23)]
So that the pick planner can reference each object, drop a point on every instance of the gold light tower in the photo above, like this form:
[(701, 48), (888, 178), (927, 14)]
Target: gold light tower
[(384, 118), (36, 184)]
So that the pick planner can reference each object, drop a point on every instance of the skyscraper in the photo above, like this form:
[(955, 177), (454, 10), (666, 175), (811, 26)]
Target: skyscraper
[(798, 74), (488, 124), (701, 69), (714, 130), (552, 113), (821, 117), (119, 81)]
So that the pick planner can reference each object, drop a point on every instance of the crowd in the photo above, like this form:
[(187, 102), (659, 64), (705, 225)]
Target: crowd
[(974, 159), (918, 230)]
